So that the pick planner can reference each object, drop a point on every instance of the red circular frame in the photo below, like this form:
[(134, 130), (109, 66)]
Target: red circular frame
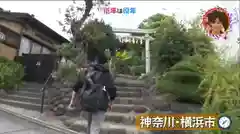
[(204, 22)]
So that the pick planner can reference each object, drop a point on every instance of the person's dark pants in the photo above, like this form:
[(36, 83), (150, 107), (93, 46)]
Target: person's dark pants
[(94, 122)]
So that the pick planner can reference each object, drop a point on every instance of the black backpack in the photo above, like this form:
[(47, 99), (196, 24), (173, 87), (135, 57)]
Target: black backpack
[(94, 96)]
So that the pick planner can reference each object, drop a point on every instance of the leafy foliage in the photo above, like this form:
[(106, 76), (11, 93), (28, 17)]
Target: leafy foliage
[(203, 77), (129, 63), (221, 83), (68, 73), (97, 38), (74, 18), (153, 22), (11, 74), (76, 14), (171, 44), (183, 80), (122, 58), (202, 44), (96, 34), (173, 41), (67, 51)]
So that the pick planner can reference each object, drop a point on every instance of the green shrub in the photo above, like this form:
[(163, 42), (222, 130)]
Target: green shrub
[(121, 62), (137, 70), (127, 63), (3, 59), (67, 73), (183, 80), (222, 86), (183, 76), (11, 74), (122, 67)]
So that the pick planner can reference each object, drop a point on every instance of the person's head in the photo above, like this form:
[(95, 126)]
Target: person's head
[(218, 21), (94, 56)]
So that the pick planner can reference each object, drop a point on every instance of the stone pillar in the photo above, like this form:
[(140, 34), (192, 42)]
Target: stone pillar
[(147, 53), (143, 55)]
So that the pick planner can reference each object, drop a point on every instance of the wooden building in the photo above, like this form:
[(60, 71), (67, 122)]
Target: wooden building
[(22, 34)]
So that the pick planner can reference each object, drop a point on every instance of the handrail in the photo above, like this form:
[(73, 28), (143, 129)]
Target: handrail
[(43, 91)]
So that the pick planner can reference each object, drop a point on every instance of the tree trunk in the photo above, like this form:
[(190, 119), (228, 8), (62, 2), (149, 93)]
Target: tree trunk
[(76, 26)]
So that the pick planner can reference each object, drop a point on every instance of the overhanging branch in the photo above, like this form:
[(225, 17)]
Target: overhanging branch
[(76, 24)]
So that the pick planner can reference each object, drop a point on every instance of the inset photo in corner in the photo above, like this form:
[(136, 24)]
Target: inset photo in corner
[(216, 22)]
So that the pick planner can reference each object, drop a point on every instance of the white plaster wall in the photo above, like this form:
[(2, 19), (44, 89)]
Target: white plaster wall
[(230, 46)]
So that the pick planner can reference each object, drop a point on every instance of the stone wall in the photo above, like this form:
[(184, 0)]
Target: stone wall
[(59, 97)]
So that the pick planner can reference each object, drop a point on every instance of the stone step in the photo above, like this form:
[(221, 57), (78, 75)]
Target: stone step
[(127, 119), (124, 108), (119, 88), (128, 94), (32, 84), (128, 82), (128, 100), (120, 108), (30, 94), (124, 84), (116, 107), (38, 94), (106, 127), (127, 76), (28, 99), (30, 89), (21, 104), (115, 117), (126, 88)]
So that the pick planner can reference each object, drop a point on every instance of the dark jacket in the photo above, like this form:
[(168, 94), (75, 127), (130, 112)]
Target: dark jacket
[(106, 80)]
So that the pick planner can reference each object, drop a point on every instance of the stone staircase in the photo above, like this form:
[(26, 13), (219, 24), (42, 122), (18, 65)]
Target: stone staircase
[(121, 119), (28, 97)]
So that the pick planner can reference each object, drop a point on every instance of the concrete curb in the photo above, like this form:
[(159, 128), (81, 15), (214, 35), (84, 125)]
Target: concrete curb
[(39, 122)]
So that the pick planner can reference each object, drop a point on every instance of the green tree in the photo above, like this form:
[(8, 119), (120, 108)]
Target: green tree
[(96, 34), (178, 53), (153, 22), (173, 40), (93, 36), (170, 45), (75, 16), (202, 44)]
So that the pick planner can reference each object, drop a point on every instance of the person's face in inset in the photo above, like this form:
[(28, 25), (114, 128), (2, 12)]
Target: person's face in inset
[(216, 27)]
